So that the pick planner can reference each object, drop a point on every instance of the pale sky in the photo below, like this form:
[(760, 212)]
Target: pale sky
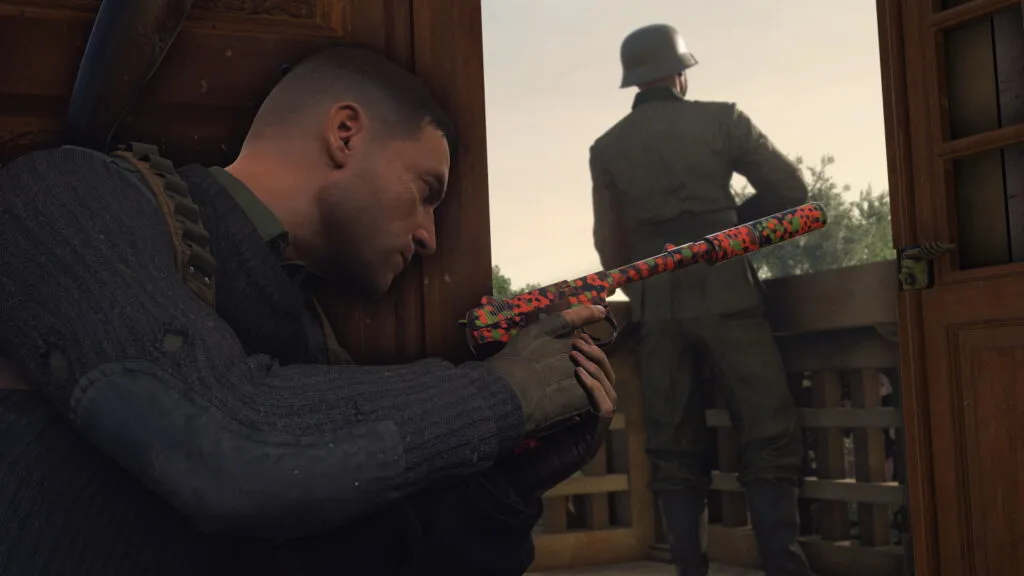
[(806, 71)]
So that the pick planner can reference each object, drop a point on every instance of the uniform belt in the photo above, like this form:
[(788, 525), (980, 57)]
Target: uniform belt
[(691, 213)]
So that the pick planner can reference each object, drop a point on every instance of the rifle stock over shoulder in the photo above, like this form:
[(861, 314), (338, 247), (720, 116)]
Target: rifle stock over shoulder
[(494, 321)]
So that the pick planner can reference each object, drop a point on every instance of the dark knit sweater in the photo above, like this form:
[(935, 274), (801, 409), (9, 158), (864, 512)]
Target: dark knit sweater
[(224, 417)]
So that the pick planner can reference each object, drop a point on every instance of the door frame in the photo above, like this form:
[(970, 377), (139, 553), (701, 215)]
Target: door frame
[(895, 105), (913, 76)]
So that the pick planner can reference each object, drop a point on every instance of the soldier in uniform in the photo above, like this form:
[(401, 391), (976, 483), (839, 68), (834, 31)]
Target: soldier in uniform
[(662, 174)]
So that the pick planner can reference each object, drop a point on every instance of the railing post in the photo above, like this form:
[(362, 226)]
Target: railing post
[(597, 511), (869, 447), (829, 457)]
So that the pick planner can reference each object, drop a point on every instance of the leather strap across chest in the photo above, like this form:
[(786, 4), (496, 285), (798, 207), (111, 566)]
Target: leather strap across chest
[(193, 258)]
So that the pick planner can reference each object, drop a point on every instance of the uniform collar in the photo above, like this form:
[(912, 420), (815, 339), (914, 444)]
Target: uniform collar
[(655, 94), (267, 224)]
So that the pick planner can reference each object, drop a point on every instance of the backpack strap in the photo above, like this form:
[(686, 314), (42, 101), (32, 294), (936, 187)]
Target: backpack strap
[(193, 258)]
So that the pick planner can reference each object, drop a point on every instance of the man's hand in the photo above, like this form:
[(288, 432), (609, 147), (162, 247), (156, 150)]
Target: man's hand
[(594, 371), (559, 455), (557, 377)]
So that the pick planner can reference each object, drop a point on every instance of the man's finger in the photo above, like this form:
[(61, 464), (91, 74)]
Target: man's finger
[(581, 316), (602, 404), (569, 320), (593, 369), (596, 355)]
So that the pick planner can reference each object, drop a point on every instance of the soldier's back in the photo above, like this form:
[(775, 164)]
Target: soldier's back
[(667, 167), (669, 157)]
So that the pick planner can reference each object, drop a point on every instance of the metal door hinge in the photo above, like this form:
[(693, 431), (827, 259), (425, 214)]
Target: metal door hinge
[(915, 264)]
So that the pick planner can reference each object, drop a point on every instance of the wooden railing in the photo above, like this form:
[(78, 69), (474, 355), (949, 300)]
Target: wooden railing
[(836, 331), (604, 514)]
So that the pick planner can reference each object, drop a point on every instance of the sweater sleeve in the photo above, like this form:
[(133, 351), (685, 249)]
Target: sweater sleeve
[(93, 308)]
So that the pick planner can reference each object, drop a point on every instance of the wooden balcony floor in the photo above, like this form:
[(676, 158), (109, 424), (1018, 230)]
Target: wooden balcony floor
[(645, 569)]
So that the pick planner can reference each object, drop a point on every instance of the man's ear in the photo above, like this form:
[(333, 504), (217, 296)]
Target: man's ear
[(346, 123)]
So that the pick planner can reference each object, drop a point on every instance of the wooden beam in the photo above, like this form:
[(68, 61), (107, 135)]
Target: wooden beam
[(966, 12), (902, 43), (850, 297), (738, 547), (869, 461), (452, 66), (848, 349), (618, 422), (556, 514), (828, 418), (829, 456), (991, 140), (578, 548), (847, 490), (641, 501), (590, 485), (597, 507)]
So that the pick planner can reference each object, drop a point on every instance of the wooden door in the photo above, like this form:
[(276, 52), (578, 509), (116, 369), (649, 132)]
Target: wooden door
[(199, 103), (954, 110)]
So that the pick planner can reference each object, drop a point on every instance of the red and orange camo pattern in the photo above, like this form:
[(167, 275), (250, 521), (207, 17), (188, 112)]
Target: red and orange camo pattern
[(495, 321)]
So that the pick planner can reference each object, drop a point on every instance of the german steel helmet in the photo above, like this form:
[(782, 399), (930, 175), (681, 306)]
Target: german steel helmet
[(653, 52)]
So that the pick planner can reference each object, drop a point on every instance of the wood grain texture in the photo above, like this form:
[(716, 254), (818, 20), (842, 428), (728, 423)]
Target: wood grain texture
[(960, 338), (452, 65)]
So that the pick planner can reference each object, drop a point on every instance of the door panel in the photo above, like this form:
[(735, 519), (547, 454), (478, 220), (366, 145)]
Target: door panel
[(956, 147), (992, 361)]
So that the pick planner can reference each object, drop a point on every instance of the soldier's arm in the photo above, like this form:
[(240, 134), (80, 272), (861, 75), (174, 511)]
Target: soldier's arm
[(608, 234), (777, 182), (93, 308)]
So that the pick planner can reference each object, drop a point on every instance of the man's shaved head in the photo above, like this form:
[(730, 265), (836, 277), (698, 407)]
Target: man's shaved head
[(352, 154), (398, 101)]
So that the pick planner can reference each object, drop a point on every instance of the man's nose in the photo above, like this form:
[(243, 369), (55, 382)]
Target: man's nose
[(425, 241)]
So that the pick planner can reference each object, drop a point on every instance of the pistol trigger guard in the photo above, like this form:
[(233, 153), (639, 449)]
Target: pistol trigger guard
[(610, 320)]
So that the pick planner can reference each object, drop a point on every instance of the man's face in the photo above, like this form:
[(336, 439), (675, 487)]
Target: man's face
[(377, 212), (681, 84)]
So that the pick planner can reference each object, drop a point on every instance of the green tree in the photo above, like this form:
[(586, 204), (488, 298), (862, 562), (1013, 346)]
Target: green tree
[(858, 231), (502, 285)]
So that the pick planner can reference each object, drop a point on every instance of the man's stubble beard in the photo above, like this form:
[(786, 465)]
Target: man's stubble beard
[(345, 263)]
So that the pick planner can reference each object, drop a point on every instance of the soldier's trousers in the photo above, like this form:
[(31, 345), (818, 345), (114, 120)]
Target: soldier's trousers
[(747, 369)]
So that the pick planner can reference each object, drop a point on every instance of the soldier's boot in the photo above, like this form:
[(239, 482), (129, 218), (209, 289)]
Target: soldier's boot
[(683, 511), (776, 520)]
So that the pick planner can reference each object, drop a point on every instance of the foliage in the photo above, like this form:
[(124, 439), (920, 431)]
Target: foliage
[(502, 285), (858, 231)]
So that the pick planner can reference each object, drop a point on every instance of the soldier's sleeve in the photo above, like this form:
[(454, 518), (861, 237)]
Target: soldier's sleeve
[(609, 240), (95, 312), (777, 182)]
